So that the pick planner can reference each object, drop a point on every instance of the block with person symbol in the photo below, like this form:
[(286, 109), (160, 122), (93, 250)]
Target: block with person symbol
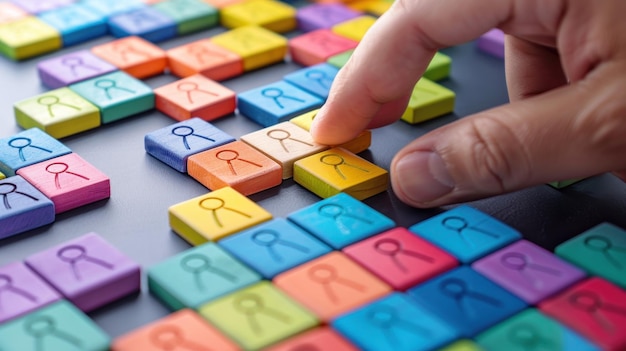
[(322, 338), (190, 15), (76, 23), (354, 28), (133, 55), (27, 37), (27, 148), (316, 79), (318, 46), (258, 47), (206, 58), (72, 68), (273, 15), (145, 22), (22, 207)]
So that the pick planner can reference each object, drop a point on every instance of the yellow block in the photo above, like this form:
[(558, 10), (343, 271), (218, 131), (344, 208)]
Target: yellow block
[(428, 100), (258, 316), (462, 345), (375, 7), (258, 47), (338, 170), (273, 15), (355, 28), (215, 215), (28, 37), (2, 176)]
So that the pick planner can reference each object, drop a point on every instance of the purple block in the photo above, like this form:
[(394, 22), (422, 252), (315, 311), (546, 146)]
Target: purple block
[(36, 6), (528, 271), (87, 271), (22, 291), (323, 16), (71, 68), (492, 43)]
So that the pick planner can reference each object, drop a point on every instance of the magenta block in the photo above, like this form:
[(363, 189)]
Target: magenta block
[(323, 16), (528, 271), (22, 291), (88, 271), (492, 43), (71, 68)]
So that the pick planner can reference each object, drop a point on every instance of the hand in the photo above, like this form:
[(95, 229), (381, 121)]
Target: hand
[(566, 78)]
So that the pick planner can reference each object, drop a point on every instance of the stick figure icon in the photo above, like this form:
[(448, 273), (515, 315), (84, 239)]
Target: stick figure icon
[(275, 94), (527, 337), (520, 263), (392, 248), (197, 264), (171, 338), (231, 155), (461, 226), (74, 254), (109, 84), (10, 188), (202, 54), (270, 238), (325, 41), (74, 63), (127, 52), (7, 286), (281, 135), (41, 327), (338, 213), (57, 168), (252, 305), (189, 87), (336, 160), (185, 132), (320, 77), (592, 303), (214, 204), (50, 100), (327, 275), (605, 246), (458, 290), (386, 318), (20, 143)]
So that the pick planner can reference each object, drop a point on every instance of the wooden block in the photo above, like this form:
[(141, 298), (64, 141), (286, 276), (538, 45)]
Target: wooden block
[(76, 23), (2, 176), (428, 100), (59, 112), (195, 96), (36, 7), (23, 207), (206, 58), (220, 4), (284, 143), (355, 28), (492, 43), (323, 16), (10, 12), (316, 79), (112, 8), (134, 55), (340, 60), (71, 68), (273, 15), (27, 37), (27, 148), (462, 345), (564, 183), (317, 46), (189, 15), (439, 67), (69, 181), (374, 7), (258, 47), (215, 215), (322, 338), (338, 170), (145, 22), (236, 165)]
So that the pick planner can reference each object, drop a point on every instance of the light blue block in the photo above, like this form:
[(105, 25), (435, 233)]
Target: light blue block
[(465, 232), (27, 148), (394, 323), (174, 144), (76, 23), (466, 299), (145, 22), (341, 220), (276, 102), (315, 79), (109, 8), (274, 247), (197, 276), (22, 207)]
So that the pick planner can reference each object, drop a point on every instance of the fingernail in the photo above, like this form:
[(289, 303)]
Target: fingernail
[(423, 176)]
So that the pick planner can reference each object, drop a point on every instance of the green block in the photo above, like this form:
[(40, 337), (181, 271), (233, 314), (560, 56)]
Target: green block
[(118, 95), (28, 37), (190, 15), (462, 345), (563, 183), (600, 251), (439, 67), (428, 100), (340, 60), (59, 326)]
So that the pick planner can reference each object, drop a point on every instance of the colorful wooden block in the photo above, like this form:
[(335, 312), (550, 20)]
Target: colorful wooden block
[(117, 95), (71, 68), (273, 247), (2, 176), (400, 258), (275, 102), (273, 15), (27, 37), (133, 55), (341, 220), (257, 46), (529, 271), (331, 285), (69, 181), (439, 67), (428, 100), (316, 79), (595, 308), (184, 330), (374, 7), (198, 275), (60, 113), (145, 22), (189, 15), (492, 43), (10, 12), (111, 8), (462, 345), (27, 148), (36, 7), (340, 60), (354, 28), (88, 271), (323, 338), (317, 46), (220, 4), (560, 184), (175, 143), (206, 58), (59, 326), (323, 16), (468, 301), (215, 215), (600, 251), (338, 170), (236, 165), (22, 291), (390, 323), (258, 316), (76, 23), (23, 207), (284, 143), (465, 232)]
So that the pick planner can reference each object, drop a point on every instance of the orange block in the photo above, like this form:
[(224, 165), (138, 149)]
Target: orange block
[(323, 338), (195, 96), (237, 165), (182, 330), (204, 57), (133, 55), (331, 285), (318, 46)]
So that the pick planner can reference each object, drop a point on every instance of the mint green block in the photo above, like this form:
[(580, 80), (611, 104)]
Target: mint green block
[(189, 15), (600, 251), (59, 326), (563, 183), (117, 95), (340, 60), (198, 275)]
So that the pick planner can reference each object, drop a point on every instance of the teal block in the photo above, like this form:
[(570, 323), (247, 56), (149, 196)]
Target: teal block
[(118, 95), (27, 148), (189, 15), (56, 327)]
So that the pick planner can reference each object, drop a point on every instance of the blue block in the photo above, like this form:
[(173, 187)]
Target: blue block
[(465, 232), (394, 323), (146, 22), (110, 8), (274, 247), (27, 148), (174, 144), (22, 207), (341, 220), (315, 79), (76, 23), (274, 103), (466, 299)]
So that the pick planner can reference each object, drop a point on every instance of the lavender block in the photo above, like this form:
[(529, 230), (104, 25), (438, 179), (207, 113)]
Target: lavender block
[(37, 6), (88, 271), (492, 43), (320, 16), (68, 69)]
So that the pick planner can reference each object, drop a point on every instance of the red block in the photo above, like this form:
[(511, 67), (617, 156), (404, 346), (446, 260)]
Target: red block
[(318, 46)]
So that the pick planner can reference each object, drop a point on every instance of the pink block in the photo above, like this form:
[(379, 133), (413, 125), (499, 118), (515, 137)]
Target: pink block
[(69, 181), (317, 46)]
